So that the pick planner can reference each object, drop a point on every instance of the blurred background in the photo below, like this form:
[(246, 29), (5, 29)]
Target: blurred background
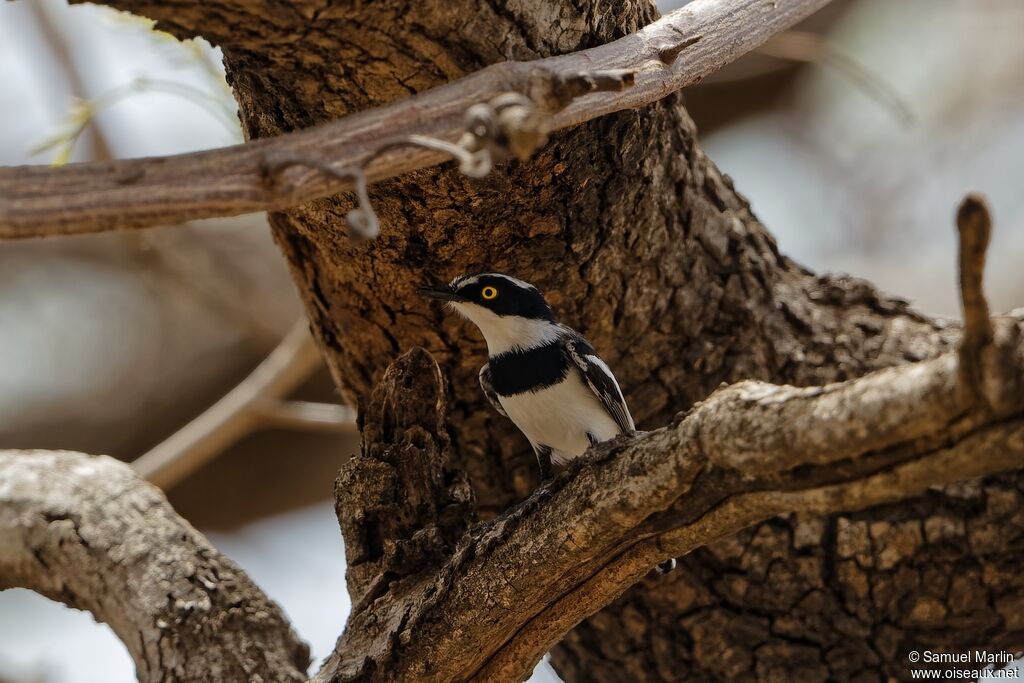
[(854, 137)]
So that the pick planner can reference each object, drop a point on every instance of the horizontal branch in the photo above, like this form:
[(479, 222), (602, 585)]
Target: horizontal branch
[(86, 531), (678, 50)]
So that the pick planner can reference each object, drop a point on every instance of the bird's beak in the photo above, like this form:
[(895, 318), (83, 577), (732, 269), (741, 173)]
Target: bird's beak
[(440, 292)]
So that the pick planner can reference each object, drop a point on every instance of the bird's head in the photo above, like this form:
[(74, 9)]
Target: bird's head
[(509, 312)]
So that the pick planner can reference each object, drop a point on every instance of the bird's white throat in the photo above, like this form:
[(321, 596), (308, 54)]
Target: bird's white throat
[(507, 332)]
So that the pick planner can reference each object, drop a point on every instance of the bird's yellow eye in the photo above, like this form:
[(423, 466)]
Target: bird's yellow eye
[(489, 293)]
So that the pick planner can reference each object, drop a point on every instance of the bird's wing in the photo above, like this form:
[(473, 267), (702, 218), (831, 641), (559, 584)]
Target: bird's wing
[(599, 378), (489, 392)]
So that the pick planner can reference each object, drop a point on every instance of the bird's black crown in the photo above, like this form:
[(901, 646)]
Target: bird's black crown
[(501, 294)]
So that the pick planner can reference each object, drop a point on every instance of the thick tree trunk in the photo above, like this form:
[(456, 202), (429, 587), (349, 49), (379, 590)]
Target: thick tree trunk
[(645, 247), (657, 259)]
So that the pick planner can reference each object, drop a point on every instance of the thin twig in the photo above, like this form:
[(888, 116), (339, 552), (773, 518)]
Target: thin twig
[(305, 415), (57, 43), (974, 226), (509, 125), (362, 220), (803, 46), (137, 193)]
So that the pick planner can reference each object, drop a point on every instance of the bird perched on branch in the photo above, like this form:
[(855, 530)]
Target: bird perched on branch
[(542, 375)]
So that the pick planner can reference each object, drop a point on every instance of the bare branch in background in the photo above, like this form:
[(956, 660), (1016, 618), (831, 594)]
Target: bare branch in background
[(802, 46), (59, 48), (257, 402), (229, 181), (82, 115), (84, 111), (306, 415)]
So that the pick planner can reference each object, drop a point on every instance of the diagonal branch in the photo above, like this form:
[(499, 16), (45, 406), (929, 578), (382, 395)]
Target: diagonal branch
[(740, 457), (572, 548), (678, 50), (751, 451), (256, 401)]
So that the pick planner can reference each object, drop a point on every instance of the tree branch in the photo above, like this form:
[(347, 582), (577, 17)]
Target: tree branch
[(306, 415), (516, 585), (138, 193), (751, 451), (256, 401), (86, 531), (974, 227)]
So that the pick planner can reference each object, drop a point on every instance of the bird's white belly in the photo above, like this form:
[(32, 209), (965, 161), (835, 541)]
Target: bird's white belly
[(560, 416)]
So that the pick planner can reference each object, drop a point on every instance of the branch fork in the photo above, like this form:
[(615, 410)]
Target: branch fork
[(748, 452)]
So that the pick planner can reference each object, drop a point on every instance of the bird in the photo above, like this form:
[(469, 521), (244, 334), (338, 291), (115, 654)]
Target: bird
[(541, 374)]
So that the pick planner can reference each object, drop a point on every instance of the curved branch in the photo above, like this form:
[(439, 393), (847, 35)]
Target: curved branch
[(86, 531), (678, 50)]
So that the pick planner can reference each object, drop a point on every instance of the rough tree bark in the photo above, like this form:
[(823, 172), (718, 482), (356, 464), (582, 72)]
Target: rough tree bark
[(513, 587), (85, 531), (664, 267)]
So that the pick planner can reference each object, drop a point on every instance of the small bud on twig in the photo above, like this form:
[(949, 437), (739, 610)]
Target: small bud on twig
[(668, 53)]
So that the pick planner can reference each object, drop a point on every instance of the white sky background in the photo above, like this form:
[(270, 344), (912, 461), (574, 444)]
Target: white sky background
[(838, 179)]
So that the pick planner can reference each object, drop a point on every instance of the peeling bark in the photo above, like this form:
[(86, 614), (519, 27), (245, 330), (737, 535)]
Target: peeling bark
[(401, 505)]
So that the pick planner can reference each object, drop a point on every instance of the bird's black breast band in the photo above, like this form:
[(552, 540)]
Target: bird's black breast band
[(519, 371)]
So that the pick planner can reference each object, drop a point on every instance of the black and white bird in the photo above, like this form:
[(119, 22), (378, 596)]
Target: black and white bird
[(542, 375)]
